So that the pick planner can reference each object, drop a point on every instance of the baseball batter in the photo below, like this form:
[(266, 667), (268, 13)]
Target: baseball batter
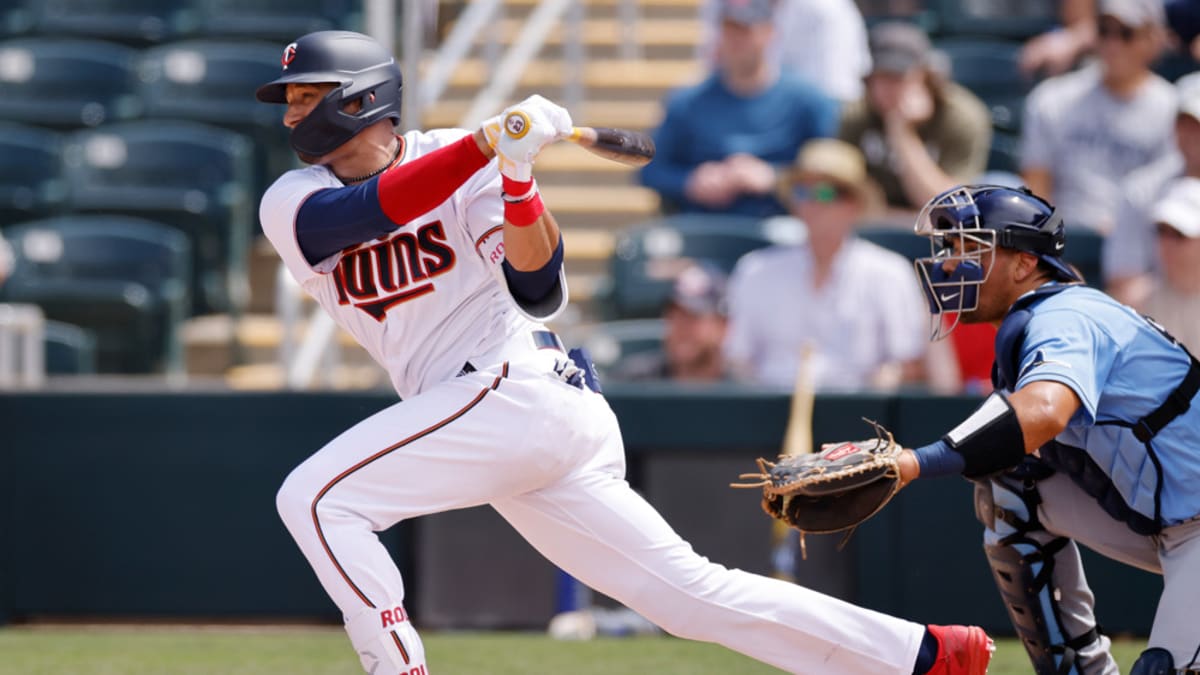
[(1092, 434), (444, 265)]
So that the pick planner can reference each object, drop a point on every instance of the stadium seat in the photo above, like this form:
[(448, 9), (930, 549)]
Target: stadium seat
[(1084, 251), (1011, 19), (125, 279), (276, 20), (609, 342), (67, 83), (31, 184), (900, 240), (69, 349), (135, 22), (192, 176), (1004, 154), (649, 255), (213, 82), (989, 69)]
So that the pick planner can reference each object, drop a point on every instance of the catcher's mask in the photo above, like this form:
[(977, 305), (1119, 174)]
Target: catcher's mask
[(979, 218), (361, 68)]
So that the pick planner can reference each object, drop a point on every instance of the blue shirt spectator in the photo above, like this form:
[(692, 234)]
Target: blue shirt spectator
[(722, 141)]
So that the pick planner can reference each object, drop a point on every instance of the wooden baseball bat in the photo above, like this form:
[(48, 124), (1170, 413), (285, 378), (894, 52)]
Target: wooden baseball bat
[(632, 148), (797, 440)]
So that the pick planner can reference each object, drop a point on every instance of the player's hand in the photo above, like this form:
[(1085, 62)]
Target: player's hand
[(521, 132), (909, 468)]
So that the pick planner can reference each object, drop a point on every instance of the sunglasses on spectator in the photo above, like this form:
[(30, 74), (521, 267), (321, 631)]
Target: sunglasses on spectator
[(1115, 29), (822, 193)]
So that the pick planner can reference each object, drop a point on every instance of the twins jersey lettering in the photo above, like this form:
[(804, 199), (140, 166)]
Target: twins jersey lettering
[(424, 298)]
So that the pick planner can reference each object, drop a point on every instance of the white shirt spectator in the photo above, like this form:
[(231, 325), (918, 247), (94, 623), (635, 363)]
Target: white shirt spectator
[(6, 260), (823, 42), (1091, 141), (869, 313)]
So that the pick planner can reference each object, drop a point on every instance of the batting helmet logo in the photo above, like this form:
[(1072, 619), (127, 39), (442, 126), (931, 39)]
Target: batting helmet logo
[(516, 125), (289, 55)]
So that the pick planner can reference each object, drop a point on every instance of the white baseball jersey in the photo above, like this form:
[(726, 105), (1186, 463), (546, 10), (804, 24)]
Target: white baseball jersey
[(426, 297), (518, 433)]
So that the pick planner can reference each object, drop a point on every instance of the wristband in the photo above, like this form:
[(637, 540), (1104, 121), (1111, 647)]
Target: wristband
[(939, 459), (525, 212), (517, 191)]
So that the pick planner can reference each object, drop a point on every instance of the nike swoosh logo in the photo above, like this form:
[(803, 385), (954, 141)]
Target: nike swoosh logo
[(948, 297), (1058, 245)]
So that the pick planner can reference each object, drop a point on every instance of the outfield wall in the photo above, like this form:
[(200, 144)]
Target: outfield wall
[(161, 504)]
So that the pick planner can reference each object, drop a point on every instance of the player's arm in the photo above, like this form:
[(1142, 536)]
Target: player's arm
[(533, 249), (329, 220), (998, 434)]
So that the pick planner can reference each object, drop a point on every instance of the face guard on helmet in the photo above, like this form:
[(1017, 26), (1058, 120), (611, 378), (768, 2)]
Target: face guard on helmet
[(359, 67), (964, 226)]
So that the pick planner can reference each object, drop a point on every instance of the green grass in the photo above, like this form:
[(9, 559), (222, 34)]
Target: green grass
[(136, 650)]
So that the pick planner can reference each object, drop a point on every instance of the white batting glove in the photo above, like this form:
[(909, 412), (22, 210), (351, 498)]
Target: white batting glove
[(521, 132)]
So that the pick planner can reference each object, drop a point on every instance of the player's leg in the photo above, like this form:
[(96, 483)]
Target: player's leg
[(451, 447), (1174, 621), (593, 525), (1031, 517)]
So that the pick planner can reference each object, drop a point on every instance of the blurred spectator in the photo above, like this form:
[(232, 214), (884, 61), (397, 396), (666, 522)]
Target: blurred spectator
[(823, 42), (855, 305), (721, 140), (1130, 251), (694, 329), (1175, 299), (1057, 51), (1086, 131), (921, 133), (6, 260)]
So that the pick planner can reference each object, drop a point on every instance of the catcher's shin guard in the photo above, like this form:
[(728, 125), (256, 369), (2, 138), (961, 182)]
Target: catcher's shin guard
[(1023, 566)]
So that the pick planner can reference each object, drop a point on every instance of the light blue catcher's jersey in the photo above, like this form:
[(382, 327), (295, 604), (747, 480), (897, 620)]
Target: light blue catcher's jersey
[(1122, 368)]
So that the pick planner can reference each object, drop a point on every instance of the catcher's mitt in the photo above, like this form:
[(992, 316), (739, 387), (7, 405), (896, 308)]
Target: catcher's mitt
[(833, 490)]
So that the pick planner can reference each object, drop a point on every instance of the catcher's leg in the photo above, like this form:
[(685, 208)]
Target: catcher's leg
[(593, 525), (1040, 577)]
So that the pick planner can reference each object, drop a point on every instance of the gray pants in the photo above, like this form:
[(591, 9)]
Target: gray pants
[(1067, 511)]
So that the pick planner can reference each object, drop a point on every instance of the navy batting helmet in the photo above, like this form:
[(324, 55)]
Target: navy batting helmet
[(986, 216), (361, 68)]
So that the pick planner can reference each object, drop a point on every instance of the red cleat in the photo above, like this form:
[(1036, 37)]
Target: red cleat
[(962, 650)]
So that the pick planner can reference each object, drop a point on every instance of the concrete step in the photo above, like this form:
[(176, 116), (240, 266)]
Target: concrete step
[(643, 76), (646, 9), (609, 32)]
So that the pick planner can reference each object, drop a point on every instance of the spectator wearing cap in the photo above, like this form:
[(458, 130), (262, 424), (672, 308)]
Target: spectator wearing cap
[(694, 323), (853, 306), (920, 132), (823, 42), (1084, 133), (1130, 256), (1174, 301), (721, 141)]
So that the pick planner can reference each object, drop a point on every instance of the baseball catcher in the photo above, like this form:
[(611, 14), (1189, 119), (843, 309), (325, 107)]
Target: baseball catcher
[(833, 490)]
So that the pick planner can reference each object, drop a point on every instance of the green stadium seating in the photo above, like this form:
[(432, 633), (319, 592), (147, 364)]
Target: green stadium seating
[(1004, 154), (609, 342), (900, 240), (123, 278), (276, 20), (67, 83), (648, 255), (213, 82), (194, 177), (1012, 19), (135, 22), (69, 349), (989, 69), (31, 184)]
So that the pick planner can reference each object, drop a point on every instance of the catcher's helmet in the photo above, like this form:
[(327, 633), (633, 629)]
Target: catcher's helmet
[(360, 67), (987, 216)]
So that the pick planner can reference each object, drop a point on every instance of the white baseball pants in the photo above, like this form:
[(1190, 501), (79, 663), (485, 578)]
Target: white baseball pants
[(548, 457)]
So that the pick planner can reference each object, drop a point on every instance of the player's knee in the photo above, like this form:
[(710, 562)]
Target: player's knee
[(294, 499), (1154, 661)]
